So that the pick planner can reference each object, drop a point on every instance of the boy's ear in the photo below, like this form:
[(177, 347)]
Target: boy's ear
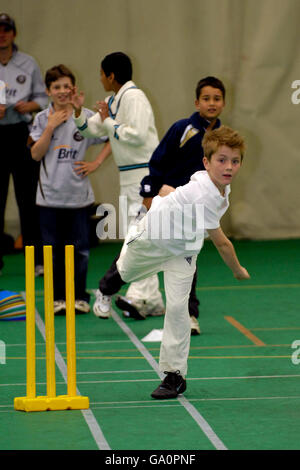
[(197, 104), (205, 162), (111, 77)]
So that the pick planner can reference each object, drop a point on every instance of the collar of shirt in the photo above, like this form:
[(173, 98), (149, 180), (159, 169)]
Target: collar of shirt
[(204, 178), (199, 122), (118, 95)]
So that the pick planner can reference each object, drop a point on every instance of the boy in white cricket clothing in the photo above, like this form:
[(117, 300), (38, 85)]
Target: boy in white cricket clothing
[(147, 250), (64, 195), (127, 118)]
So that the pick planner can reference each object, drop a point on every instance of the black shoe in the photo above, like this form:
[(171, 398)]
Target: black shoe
[(124, 304), (172, 385)]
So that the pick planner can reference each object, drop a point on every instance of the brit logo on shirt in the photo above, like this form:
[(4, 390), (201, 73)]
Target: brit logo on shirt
[(66, 153), (21, 79)]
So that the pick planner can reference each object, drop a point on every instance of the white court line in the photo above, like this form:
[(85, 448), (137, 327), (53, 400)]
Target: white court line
[(197, 399), (150, 404), (126, 406), (153, 380), (87, 414), (203, 424), (115, 372), (77, 342)]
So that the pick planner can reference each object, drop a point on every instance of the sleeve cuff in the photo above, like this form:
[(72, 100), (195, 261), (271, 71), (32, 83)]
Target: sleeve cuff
[(81, 120)]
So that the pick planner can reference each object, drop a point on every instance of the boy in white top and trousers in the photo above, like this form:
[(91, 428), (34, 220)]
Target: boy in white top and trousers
[(127, 118), (152, 246)]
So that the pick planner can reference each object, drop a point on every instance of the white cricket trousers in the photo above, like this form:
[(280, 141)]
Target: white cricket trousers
[(146, 290), (140, 259)]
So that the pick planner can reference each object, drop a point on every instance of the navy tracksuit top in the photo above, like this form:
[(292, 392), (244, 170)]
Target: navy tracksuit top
[(178, 155)]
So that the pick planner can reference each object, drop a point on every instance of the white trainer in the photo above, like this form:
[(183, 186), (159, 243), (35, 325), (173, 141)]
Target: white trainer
[(81, 306), (102, 305), (195, 328)]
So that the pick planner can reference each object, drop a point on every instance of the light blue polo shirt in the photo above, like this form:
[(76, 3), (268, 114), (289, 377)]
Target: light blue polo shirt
[(23, 82), (59, 186)]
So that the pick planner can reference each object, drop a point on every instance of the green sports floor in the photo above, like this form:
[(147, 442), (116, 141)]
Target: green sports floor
[(243, 388)]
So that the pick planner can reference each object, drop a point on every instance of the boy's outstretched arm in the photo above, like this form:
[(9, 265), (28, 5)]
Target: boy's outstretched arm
[(227, 252)]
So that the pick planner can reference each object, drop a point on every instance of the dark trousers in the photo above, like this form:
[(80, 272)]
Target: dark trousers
[(60, 227), (16, 160), (111, 283)]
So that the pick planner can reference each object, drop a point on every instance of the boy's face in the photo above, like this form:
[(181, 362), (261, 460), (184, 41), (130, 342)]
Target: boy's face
[(59, 91), (106, 81), (7, 36), (210, 103), (223, 166)]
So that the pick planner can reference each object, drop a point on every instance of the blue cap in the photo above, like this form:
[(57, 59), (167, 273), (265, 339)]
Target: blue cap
[(7, 21)]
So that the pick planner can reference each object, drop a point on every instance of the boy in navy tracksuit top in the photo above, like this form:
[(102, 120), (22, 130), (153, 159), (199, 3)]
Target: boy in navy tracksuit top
[(180, 154)]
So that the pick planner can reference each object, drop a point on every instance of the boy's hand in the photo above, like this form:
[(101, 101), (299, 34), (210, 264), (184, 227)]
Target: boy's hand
[(102, 108), (76, 100), (23, 107), (85, 168), (165, 190), (241, 274), (56, 118)]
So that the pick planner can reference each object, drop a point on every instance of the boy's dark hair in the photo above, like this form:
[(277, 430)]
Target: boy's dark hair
[(56, 72), (210, 81), (119, 64)]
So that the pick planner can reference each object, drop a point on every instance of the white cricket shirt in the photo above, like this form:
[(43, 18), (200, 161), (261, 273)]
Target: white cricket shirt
[(131, 131), (178, 223)]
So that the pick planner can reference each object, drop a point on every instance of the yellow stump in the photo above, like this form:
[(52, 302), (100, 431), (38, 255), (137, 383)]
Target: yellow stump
[(70, 320), (49, 321), (70, 401), (30, 322)]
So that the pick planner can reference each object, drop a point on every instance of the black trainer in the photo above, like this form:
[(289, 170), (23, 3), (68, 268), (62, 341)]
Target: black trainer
[(127, 306), (172, 385)]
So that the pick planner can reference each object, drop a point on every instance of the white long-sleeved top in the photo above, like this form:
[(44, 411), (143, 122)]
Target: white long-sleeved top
[(130, 128)]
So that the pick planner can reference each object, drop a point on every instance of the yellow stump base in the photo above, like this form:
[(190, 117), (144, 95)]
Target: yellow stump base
[(61, 402)]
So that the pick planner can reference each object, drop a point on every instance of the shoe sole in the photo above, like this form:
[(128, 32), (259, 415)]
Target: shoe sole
[(181, 390), (156, 314), (122, 304), (61, 312), (99, 316), (195, 332), (166, 397), (161, 397), (104, 317)]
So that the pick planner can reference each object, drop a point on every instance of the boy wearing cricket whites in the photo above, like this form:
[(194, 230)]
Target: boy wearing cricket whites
[(178, 156), (127, 118), (64, 195), (147, 249)]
